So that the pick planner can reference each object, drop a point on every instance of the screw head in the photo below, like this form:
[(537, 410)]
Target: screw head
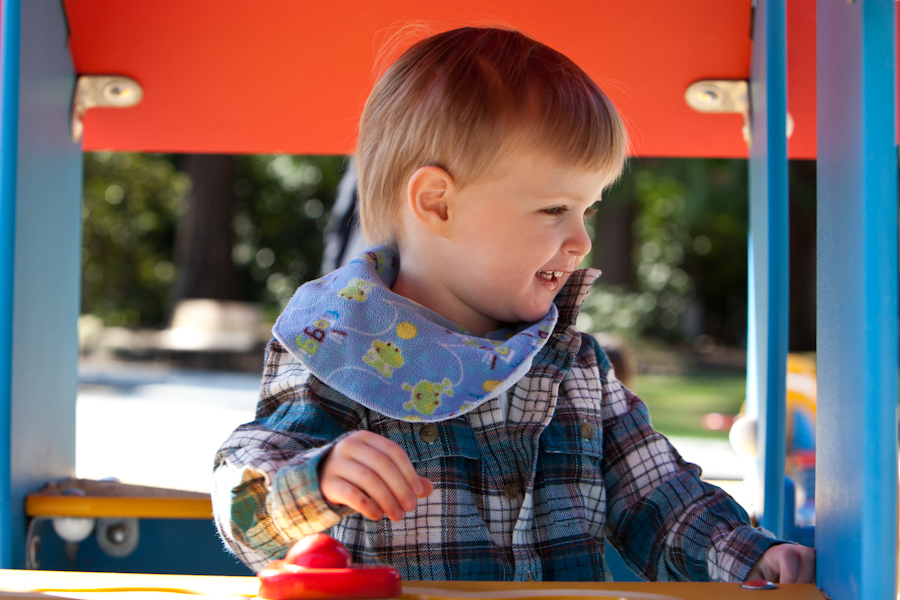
[(119, 93), (116, 534), (708, 95)]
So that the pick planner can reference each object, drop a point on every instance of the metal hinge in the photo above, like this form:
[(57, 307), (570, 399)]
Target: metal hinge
[(113, 91), (726, 96), (721, 96)]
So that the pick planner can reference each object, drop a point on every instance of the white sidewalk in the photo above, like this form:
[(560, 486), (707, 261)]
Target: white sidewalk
[(159, 428)]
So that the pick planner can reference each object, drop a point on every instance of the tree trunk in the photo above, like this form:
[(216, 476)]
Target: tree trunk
[(205, 238), (614, 241)]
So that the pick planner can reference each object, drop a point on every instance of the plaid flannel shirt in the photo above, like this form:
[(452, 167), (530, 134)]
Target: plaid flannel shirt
[(532, 498)]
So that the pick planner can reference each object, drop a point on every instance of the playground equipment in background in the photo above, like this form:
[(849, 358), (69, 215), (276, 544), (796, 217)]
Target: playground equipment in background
[(800, 442)]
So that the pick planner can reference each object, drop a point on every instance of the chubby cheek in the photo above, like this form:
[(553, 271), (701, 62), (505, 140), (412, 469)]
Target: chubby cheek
[(504, 264), (485, 263)]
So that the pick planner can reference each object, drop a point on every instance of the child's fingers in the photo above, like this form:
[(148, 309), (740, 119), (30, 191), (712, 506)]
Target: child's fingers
[(788, 567), (379, 483), (427, 487), (786, 563), (390, 462), (807, 565), (378, 468), (341, 491), (398, 459), (797, 564), (391, 466), (367, 480)]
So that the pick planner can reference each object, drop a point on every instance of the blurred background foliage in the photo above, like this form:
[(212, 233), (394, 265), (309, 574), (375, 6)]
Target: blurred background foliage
[(671, 238), (686, 272), (132, 203), (283, 208), (277, 208)]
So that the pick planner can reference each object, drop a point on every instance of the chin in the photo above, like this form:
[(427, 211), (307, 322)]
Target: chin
[(524, 312), (534, 315)]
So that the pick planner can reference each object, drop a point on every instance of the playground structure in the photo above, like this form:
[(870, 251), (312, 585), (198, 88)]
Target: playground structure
[(800, 445), (285, 76)]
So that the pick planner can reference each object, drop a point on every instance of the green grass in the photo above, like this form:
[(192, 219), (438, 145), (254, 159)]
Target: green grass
[(678, 403)]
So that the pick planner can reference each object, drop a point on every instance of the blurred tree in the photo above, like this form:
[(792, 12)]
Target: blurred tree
[(689, 252), (282, 209), (689, 255), (133, 203)]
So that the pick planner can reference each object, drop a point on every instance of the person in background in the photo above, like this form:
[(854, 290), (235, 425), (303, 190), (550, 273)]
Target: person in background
[(343, 239)]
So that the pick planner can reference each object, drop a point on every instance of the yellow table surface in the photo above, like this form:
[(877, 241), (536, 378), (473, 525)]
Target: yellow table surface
[(38, 585)]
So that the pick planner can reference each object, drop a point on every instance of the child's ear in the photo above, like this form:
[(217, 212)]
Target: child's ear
[(428, 194)]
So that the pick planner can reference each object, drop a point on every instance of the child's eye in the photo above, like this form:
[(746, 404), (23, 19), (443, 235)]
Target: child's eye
[(555, 211), (589, 213)]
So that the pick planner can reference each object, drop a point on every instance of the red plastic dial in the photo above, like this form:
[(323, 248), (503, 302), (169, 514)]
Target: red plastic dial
[(320, 567), (319, 551), (359, 582)]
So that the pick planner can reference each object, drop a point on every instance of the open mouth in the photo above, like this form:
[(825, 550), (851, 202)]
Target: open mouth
[(550, 275)]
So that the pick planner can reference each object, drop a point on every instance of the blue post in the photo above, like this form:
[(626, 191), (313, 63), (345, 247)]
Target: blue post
[(9, 123), (856, 445), (768, 251), (40, 254)]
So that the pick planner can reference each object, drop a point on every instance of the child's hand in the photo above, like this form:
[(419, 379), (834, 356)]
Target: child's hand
[(786, 563), (372, 475)]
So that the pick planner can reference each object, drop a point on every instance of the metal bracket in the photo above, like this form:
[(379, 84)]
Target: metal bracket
[(721, 96), (726, 96), (114, 91)]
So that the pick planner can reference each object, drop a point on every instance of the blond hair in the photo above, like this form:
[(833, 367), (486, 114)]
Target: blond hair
[(460, 99)]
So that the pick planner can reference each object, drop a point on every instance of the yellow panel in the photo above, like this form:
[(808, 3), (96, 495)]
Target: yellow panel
[(142, 508)]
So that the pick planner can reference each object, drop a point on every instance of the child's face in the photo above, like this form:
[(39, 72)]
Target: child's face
[(516, 235)]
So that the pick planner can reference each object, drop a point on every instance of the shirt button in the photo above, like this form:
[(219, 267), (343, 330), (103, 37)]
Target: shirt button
[(587, 430), (428, 433), (511, 491)]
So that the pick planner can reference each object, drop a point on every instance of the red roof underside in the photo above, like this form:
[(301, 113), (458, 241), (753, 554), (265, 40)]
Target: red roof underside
[(291, 76)]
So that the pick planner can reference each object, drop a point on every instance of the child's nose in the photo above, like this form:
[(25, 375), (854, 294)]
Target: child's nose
[(579, 242)]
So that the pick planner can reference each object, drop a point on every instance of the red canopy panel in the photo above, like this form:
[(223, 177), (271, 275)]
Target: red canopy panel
[(291, 76)]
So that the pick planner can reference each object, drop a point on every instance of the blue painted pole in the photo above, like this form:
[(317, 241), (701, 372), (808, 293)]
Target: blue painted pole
[(9, 125), (856, 437), (768, 247)]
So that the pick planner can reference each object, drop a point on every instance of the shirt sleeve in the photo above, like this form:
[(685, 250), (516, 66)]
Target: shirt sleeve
[(666, 522), (266, 490)]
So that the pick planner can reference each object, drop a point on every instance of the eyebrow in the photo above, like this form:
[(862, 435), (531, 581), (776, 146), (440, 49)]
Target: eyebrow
[(572, 197)]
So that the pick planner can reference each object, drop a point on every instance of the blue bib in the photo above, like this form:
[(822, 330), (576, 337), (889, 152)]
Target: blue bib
[(395, 356)]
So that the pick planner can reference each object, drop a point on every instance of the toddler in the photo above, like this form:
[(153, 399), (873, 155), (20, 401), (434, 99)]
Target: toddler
[(431, 405)]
